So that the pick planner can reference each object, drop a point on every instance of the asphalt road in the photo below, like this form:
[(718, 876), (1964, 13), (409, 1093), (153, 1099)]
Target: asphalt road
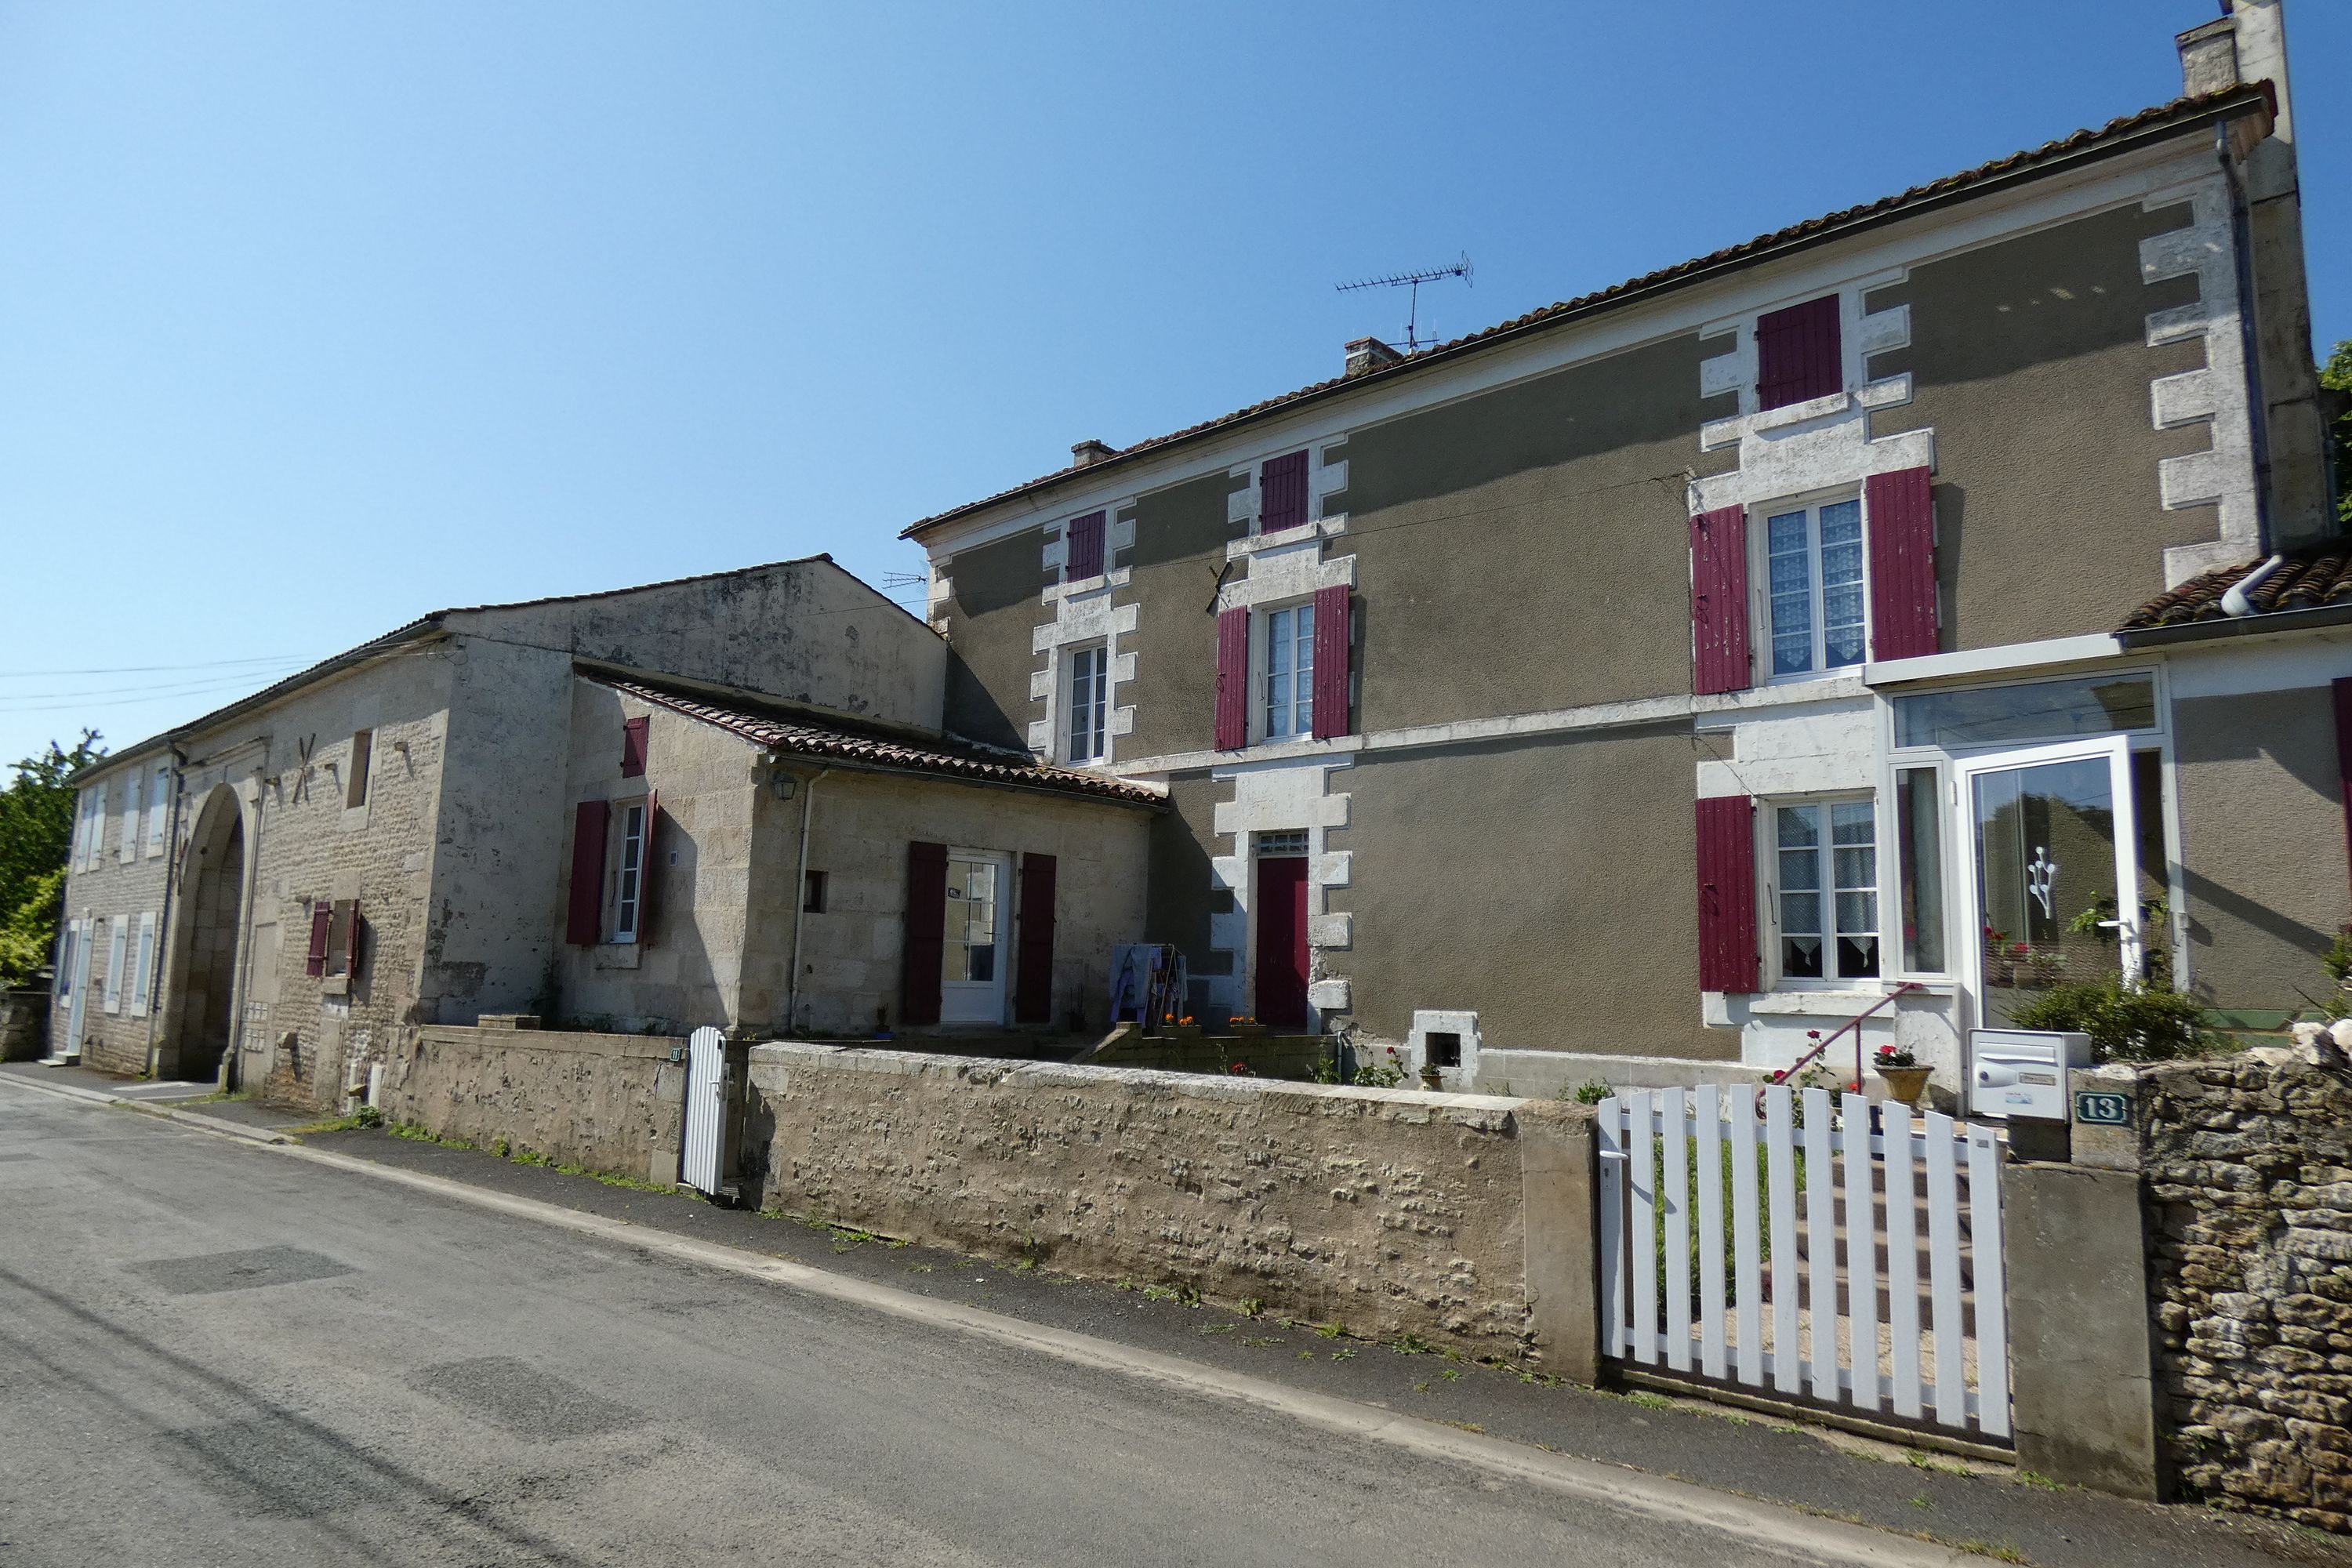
[(212, 1354)]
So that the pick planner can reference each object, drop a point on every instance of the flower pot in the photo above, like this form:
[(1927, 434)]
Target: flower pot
[(1906, 1084), (1181, 1031)]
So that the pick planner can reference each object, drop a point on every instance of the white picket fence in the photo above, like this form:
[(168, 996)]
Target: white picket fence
[(1785, 1327)]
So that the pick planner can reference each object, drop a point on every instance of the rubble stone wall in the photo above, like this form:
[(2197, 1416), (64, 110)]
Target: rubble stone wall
[(612, 1103), (1389, 1210), (2246, 1168)]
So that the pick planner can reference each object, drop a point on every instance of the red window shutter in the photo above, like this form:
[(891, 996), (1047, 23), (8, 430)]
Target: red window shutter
[(633, 748), (322, 922), (924, 948), (586, 924), (1033, 996), (1233, 680), (1719, 601), (1334, 609), (1084, 539), (1282, 492), (646, 875), (351, 942), (1726, 894), (1798, 353), (1899, 515)]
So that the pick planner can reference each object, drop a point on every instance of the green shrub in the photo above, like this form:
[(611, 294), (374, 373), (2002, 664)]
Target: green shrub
[(2151, 1023), (1591, 1091)]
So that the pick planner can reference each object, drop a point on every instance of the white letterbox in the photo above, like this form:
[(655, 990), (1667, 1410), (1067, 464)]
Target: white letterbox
[(2022, 1072)]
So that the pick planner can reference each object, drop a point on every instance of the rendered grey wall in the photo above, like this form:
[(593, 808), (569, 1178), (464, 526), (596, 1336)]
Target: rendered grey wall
[(992, 613), (1528, 548), (2262, 842), (2029, 358), (1182, 843), (1180, 543), (1548, 885)]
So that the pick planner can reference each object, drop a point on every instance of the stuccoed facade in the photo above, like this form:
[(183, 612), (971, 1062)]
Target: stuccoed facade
[(1672, 647)]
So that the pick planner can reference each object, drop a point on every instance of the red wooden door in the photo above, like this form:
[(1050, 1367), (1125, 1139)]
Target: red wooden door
[(1282, 941)]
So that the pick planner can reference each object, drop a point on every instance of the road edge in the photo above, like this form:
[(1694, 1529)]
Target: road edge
[(1775, 1527)]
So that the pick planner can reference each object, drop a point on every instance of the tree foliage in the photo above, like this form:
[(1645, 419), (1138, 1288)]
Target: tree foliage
[(37, 812), (2337, 376)]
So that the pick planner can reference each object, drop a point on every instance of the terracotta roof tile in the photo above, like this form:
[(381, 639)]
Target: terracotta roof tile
[(2312, 578), (950, 757), (2194, 107)]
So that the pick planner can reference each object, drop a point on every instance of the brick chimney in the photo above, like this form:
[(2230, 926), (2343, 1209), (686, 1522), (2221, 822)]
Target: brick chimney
[(1366, 355), (1086, 454)]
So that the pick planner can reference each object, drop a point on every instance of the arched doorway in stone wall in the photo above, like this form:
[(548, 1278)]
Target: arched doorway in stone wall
[(204, 940)]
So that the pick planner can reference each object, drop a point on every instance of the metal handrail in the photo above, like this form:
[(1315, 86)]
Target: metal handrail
[(1854, 1023)]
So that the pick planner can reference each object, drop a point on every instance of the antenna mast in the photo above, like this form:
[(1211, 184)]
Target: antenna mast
[(1413, 280)]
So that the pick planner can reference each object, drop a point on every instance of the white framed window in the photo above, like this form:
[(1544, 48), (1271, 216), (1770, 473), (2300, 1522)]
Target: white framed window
[(118, 938), (1814, 603), (159, 797), (1287, 692), (1825, 864), (628, 869), (1085, 738), (140, 976), (128, 850)]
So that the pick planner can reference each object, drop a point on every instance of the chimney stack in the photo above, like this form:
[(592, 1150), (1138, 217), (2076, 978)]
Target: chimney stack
[(1366, 355), (1086, 454)]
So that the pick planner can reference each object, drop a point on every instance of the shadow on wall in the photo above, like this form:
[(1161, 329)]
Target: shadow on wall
[(973, 711)]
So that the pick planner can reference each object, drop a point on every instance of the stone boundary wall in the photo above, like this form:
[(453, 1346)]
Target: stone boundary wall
[(2246, 1180), (613, 1103), (1465, 1219), (23, 1024)]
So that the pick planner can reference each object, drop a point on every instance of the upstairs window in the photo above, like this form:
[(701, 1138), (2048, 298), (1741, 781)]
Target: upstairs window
[(1813, 569), (1798, 356), (356, 788), (1282, 492), (1290, 672), (1090, 704), (632, 747), (1828, 867)]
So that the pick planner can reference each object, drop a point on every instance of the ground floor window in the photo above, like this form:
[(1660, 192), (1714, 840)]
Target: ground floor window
[(628, 883), (1827, 861)]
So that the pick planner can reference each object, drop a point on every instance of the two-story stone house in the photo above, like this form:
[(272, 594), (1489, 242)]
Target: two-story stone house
[(682, 803), (1687, 666)]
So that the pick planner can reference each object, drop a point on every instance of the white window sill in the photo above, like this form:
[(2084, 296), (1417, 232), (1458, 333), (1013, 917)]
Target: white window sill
[(1282, 539)]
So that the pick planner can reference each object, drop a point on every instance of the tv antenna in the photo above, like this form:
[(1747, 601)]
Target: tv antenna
[(1413, 280)]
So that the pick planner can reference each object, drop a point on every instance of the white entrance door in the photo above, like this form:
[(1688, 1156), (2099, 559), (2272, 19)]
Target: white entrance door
[(2052, 876), (971, 960)]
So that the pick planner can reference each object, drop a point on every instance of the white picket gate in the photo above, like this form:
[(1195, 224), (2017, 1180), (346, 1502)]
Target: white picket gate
[(1767, 1309), (706, 1108)]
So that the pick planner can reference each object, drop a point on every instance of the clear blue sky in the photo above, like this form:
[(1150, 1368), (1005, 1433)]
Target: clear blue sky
[(316, 316)]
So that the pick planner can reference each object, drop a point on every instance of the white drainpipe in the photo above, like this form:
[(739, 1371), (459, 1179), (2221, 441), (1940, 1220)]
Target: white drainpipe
[(2235, 602)]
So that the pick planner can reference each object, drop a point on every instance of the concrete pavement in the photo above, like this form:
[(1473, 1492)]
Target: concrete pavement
[(214, 1353)]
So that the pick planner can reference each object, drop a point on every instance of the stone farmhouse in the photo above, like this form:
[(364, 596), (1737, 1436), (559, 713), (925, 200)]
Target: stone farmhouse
[(1880, 619), (596, 805)]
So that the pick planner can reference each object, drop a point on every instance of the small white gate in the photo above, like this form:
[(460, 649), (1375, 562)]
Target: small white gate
[(1801, 1264), (706, 1108)]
